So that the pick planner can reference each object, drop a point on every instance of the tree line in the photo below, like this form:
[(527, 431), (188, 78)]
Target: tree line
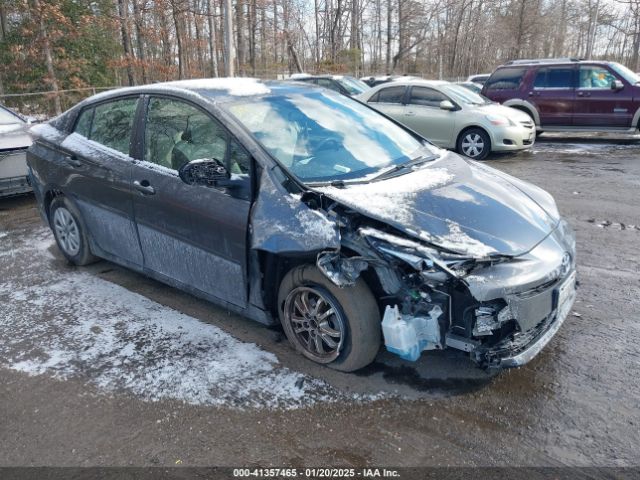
[(56, 45)]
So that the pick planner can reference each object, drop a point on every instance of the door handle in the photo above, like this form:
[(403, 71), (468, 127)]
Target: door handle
[(144, 187), (410, 114), (73, 161)]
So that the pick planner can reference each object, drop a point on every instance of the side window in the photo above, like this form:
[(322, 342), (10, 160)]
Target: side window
[(554, 77), (374, 98), (560, 78), (391, 95), (177, 133), (541, 78), (506, 79), (83, 125), (427, 97), (239, 159), (113, 122), (595, 77), (328, 83)]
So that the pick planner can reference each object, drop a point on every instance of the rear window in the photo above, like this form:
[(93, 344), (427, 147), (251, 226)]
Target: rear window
[(554, 77), (506, 79)]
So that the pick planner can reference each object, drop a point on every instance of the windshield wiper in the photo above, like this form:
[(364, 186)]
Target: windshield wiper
[(392, 172)]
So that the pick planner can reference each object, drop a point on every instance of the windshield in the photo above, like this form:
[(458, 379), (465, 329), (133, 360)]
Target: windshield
[(320, 136), (353, 85), (464, 95), (625, 73), (7, 118)]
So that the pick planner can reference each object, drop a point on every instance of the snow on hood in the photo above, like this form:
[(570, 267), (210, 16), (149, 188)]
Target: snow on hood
[(14, 135), (456, 205)]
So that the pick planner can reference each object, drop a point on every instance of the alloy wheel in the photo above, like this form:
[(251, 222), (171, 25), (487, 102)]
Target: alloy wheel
[(67, 231), (316, 322)]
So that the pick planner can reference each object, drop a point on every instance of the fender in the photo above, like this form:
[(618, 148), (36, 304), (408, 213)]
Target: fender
[(517, 102)]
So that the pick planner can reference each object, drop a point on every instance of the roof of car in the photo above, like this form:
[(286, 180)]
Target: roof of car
[(303, 76), (551, 61), (416, 81), (215, 88)]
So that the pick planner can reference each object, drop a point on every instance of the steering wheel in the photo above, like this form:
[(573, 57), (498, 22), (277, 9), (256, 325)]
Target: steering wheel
[(326, 144)]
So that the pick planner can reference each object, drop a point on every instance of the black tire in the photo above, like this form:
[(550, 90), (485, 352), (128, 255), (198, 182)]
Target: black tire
[(66, 223), (475, 137), (356, 312)]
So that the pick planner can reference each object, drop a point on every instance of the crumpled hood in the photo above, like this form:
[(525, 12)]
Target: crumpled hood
[(14, 135), (458, 205)]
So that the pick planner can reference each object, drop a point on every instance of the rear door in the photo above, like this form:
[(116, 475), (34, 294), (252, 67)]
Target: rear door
[(96, 157), (194, 235), (553, 94), (390, 100), (424, 115), (597, 104)]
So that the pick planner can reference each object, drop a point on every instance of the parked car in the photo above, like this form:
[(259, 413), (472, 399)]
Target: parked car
[(569, 95), (374, 81), (453, 117), (14, 141), (474, 87), (281, 201), (343, 84), (478, 78)]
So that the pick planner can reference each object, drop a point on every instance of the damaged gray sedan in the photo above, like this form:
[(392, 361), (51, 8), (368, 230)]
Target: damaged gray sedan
[(294, 204)]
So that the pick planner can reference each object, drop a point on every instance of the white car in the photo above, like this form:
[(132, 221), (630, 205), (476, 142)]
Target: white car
[(453, 117), (14, 141)]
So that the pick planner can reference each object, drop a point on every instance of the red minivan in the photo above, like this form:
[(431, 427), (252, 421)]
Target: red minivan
[(569, 95)]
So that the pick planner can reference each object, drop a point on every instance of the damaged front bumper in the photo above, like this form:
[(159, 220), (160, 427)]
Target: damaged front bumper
[(502, 311), (521, 347)]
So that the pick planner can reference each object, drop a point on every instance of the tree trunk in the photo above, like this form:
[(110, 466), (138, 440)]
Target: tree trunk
[(48, 58), (229, 50), (211, 11), (177, 26), (140, 39), (389, 34), (240, 35), (126, 44)]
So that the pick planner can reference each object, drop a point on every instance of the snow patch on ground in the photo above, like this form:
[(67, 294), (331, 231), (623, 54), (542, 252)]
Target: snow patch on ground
[(72, 324)]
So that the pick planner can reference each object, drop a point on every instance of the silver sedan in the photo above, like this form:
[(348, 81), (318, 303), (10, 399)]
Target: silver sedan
[(453, 117)]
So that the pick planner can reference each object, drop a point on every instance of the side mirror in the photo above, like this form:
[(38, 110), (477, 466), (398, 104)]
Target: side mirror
[(447, 105), (617, 85), (209, 172)]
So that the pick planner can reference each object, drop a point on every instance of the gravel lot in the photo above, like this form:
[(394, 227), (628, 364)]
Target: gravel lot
[(101, 366)]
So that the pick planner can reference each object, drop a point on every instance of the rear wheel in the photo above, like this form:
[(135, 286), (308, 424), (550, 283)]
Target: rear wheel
[(339, 327), (474, 143), (69, 232)]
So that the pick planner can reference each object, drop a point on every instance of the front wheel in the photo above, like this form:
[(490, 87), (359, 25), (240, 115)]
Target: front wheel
[(474, 143), (339, 327)]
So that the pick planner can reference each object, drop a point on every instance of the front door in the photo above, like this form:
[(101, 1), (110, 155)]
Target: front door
[(424, 115), (194, 235), (97, 157), (553, 94), (597, 104)]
